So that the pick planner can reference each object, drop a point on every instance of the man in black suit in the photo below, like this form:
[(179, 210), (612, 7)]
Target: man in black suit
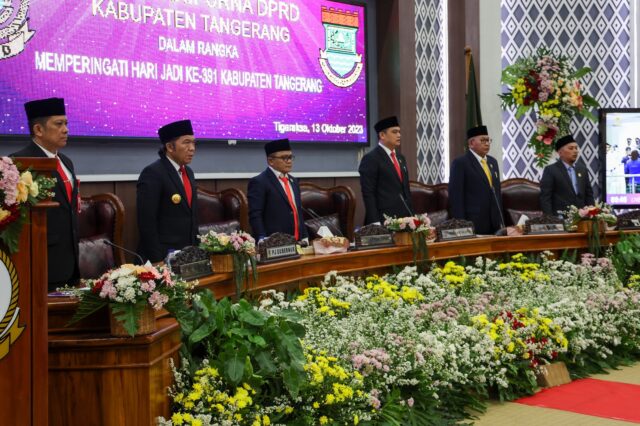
[(166, 195), (474, 185), (566, 182), (49, 132), (274, 196), (384, 177)]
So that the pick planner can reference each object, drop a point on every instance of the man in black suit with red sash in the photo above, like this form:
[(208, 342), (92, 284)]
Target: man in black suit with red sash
[(274, 196), (167, 200), (49, 132), (384, 177)]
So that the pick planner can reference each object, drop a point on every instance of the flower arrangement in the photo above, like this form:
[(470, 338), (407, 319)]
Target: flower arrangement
[(420, 223), (404, 346), (128, 290), (18, 191), (600, 212), (241, 246), (549, 85)]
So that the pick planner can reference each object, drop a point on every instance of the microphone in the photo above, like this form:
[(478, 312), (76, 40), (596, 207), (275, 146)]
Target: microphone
[(317, 216), (495, 198), (109, 243), (404, 203)]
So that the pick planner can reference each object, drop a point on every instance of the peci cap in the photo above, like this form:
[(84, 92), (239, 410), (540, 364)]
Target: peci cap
[(477, 131), (44, 108), (565, 140), (276, 146), (386, 123), (175, 130)]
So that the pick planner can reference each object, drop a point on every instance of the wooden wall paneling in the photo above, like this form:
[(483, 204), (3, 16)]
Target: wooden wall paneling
[(87, 189), (457, 82), (240, 184), (126, 191)]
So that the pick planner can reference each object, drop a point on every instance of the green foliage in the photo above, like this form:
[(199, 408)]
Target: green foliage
[(626, 256), (245, 344), (128, 314), (92, 302)]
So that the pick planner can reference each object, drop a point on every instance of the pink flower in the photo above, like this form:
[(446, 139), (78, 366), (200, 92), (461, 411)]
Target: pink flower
[(410, 402), (108, 291), (148, 286), (157, 300)]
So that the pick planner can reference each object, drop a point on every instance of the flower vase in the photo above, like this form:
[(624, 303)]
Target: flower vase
[(221, 263), (402, 238), (587, 226), (146, 323)]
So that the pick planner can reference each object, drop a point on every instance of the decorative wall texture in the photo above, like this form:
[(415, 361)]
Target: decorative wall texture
[(431, 91), (595, 33)]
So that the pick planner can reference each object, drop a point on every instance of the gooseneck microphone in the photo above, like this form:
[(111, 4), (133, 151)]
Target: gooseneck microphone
[(495, 198), (109, 243), (315, 215), (404, 203)]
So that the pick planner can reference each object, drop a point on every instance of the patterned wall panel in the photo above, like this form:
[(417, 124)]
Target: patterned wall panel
[(431, 92), (595, 33)]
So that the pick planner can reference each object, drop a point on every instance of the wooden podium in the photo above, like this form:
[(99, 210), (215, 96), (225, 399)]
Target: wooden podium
[(23, 328)]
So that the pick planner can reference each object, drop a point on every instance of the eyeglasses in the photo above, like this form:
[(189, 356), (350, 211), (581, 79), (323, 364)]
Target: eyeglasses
[(486, 140), (284, 157)]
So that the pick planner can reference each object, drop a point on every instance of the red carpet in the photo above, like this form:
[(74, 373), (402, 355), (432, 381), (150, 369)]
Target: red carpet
[(600, 398)]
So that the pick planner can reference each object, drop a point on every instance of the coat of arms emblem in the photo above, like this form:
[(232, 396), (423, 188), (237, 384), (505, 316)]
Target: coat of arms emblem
[(340, 61), (10, 329), (14, 27)]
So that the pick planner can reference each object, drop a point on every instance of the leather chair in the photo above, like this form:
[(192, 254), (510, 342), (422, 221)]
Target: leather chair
[(225, 211), (520, 196), (430, 199), (336, 206), (100, 219)]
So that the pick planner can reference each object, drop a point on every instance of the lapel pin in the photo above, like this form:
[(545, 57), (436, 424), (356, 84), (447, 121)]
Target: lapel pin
[(579, 174), (176, 198)]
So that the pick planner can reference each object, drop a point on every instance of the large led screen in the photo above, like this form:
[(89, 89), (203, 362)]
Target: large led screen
[(239, 69), (620, 135)]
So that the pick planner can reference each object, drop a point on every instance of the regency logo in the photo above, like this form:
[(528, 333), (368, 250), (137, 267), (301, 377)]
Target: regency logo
[(340, 61), (10, 330), (14, 27)]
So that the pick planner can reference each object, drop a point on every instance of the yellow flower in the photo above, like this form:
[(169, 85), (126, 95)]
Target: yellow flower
[(356, 419), (316, 405), (177, 419), (196, 422), (266, 421), (3, 214), (34, 189), (288, 410), (324, 420), (23, 192)]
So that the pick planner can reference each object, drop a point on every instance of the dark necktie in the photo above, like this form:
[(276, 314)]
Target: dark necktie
[(187, 184), (287, 189)]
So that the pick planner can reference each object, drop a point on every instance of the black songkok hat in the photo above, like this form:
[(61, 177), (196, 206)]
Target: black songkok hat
[(477, 131), (565, 140), (175, 130), (44, 108), (385, 123), (276, 146)]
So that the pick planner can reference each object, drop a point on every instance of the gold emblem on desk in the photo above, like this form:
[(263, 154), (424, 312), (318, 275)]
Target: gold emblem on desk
[(10, 329), (176, 198)]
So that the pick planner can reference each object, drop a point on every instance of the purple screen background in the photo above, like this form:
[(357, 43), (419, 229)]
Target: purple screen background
[(107, 106)]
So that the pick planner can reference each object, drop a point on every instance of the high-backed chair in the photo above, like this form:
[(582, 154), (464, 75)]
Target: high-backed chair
[(336, 206), (430, 199), (224, 211), (520, 197), (100, 219)]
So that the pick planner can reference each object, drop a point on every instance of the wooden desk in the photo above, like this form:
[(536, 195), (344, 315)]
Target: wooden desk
[(102, 380)]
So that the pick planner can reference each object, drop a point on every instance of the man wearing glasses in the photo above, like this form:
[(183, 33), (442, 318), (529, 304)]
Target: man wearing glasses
[(474, 185), (274, 196)]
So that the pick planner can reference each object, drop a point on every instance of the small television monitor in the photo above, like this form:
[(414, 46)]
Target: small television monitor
[(620, 151)]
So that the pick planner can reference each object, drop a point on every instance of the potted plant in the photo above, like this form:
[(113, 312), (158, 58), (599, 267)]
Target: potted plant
[(132, 293), (231, 253)]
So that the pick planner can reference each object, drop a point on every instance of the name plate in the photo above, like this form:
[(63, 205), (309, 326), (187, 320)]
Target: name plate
[(546, 228), (279, 252), (376, 240), (190, 271), (457, 234)]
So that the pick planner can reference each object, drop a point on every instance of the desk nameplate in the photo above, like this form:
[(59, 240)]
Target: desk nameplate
[(274, 254), (456, 234), (546, 228)]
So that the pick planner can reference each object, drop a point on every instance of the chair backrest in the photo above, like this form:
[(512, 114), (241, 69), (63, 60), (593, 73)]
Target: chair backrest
[(430, 199), (101, 218), (324, 202), (520, 196), (223, 211)]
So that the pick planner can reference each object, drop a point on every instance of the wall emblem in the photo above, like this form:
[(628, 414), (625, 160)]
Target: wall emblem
[(340, 61), (14, 27), (10, 330)]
